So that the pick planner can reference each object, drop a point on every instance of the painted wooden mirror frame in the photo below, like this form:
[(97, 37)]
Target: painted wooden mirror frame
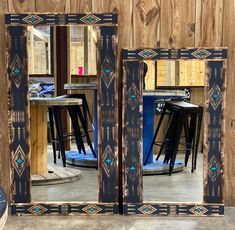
[(213, 132), (18, 112)]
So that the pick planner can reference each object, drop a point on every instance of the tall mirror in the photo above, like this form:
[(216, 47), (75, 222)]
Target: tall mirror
[(79, 179)]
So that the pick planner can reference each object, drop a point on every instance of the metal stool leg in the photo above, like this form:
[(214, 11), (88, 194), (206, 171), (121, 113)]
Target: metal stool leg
[(155, 134), (84, 125), (52, 131), (176, 139), (199, 124), (57, 117), (76, 128)]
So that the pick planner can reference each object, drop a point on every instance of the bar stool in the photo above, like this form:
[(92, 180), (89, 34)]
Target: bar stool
[(55, 105), (75, 112), (180, 112)]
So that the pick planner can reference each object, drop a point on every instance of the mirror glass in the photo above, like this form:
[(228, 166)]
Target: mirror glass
[(182, 184), (78, 181), (175, 73)]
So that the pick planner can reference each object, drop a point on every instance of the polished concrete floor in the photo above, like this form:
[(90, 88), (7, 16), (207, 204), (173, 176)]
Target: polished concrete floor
[(183, 186), (121, 222)]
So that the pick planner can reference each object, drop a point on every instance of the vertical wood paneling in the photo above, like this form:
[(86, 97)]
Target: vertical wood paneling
[(80, 6), (210, 25), (229, 154), (52, 6), (177, 23), (19, 6), (124, 11), (146, 23), (4, 142)]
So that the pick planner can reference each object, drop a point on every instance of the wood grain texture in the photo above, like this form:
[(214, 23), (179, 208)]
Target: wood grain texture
[(229, 159), (19, 6), (38, 139), (80, 6), (177, 23), (55, 6), (124, 11), (4, 142), (146, 23), (210, 25)]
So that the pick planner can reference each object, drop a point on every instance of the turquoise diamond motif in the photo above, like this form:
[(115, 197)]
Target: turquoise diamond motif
[(147, 209), (19, 161), (32, 19), (132, 168), (90, 19), (215, 96), (133, 96), (37, 209), (198, 210), (147, 53), (16, 71), (108, 160), (214, 169), (107, 71), (201, 53), (92, 209), (133, 171)]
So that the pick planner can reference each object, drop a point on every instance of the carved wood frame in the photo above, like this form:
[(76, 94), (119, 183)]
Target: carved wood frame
[(18, 112), (213, 203)]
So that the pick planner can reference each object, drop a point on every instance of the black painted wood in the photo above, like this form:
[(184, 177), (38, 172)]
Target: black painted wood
[(17, 72), (162, 209), (65, 209), (215, 166), (60, 19), (132, 159), (183, 53), (107, 118)]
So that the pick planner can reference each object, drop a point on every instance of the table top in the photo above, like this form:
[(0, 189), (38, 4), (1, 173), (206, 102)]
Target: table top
[(163, 93), (82, 86), (54, 101)]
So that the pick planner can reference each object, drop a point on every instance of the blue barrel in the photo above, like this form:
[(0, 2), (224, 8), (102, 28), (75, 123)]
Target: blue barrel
[(148, 126)]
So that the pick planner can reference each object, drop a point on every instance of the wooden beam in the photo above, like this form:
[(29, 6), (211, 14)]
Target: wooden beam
[(62, 70)]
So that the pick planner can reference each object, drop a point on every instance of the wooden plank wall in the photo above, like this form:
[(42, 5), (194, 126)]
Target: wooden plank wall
[(165, 23)]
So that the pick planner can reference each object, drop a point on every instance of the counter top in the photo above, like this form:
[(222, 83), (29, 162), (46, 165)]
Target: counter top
[(85, 86), (60, 101)]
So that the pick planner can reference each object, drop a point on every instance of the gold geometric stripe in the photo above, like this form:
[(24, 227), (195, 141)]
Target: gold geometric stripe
[(18, 116)]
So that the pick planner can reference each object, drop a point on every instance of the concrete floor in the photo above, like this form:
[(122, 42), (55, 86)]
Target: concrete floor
[(121, 222), (183, 186)]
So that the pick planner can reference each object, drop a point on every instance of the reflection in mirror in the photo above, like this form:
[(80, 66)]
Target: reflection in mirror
[(175, 73), (50, 181), (180, 132)]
